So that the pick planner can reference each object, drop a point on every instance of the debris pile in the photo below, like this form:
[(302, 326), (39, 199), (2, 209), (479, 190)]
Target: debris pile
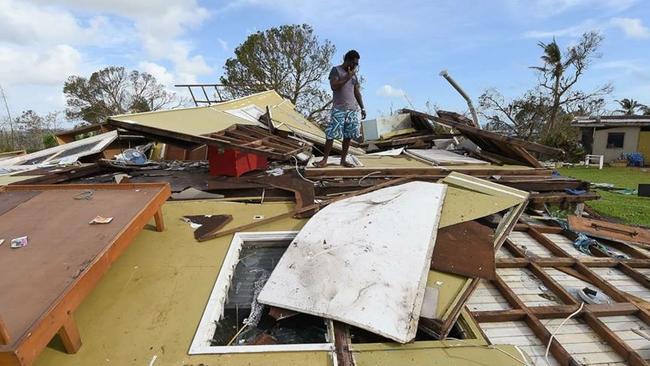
[(425, 233)]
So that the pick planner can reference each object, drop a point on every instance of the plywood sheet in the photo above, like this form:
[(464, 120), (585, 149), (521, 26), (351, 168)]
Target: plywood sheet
[(363, 260), (9, 201), (487, 198), (62, 245)]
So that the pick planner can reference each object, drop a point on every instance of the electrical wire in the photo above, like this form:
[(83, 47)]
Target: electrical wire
[(298, 171), (367, 175), (548, 346)]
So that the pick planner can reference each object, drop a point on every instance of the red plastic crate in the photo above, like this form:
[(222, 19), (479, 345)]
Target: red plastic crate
[(234, 163)]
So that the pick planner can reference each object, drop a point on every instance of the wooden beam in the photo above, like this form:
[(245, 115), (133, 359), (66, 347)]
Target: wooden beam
[(609, 289), (634, 274), (543, 149), (342, 345), (530, 159), (547, 243), (554, 197), (555, 311), (550, 283), (419, 172), (492, 316)]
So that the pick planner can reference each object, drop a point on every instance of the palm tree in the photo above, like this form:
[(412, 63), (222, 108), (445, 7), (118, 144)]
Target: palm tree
[(555, 64), (629, 107)]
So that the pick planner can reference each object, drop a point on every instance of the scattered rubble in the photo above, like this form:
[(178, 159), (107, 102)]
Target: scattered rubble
[(425, 234)]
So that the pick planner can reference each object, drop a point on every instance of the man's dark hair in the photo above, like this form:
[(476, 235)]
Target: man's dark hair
[(351, 55)]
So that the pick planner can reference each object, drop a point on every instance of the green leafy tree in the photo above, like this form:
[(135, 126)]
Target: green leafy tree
[(289, 59), (560, 72), (114, 90), (629, 107), (32, 128), (523, 117)]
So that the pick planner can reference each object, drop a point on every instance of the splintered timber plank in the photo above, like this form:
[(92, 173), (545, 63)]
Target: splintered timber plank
[(609, 230)]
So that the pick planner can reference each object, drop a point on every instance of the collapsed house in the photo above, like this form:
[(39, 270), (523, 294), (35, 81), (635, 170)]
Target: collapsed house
[(205, 236)]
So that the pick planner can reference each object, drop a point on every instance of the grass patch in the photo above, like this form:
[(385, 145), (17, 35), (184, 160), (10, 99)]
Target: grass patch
[(630, 209)]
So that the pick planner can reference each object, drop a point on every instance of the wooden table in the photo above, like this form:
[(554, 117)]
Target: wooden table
[(43, 283)]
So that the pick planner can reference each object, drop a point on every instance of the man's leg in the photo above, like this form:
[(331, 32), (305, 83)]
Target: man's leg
[(350, 131), (344, 153), (326, 153)]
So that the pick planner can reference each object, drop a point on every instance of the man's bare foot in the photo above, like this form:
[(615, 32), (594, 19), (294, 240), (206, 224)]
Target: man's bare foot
[(321, 164), (347, 164)]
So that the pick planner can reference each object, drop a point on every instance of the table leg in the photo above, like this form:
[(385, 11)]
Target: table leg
[(4, 333), (70, 337), (160, 224)]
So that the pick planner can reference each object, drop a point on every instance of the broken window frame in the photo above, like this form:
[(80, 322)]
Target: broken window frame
[(201, 344), (218, 297)]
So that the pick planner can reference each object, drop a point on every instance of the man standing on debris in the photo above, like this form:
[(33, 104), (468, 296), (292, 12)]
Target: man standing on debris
[(344, 120)]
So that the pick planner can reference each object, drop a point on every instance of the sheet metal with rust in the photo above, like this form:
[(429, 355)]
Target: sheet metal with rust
[(465, 249)]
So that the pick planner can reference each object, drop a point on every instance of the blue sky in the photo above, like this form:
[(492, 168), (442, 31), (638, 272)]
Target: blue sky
[(403, 44)]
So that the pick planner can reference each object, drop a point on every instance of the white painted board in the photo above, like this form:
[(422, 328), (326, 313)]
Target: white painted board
[(363, 260), (443, 157)]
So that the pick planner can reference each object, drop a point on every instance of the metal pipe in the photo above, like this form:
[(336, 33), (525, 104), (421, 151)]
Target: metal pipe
[(460, 90)]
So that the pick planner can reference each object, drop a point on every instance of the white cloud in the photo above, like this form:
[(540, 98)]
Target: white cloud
[(572, 31), (390, 91), (158, 25), (636, 69), (160, 72), (379, 15), (547, 8), (20, 65), (223, 44), (26, 24), (632, 27)]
